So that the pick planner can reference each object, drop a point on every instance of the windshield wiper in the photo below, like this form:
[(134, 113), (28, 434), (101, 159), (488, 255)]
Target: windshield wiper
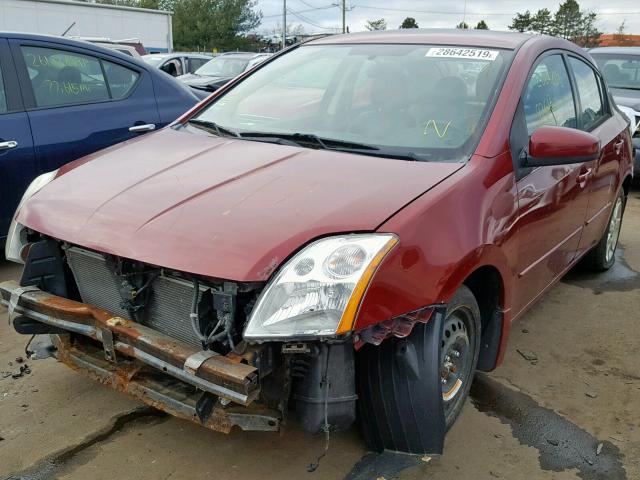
[(303, 139), (300, 139), (624, 87), (270, 139), (306, 138), (213, 127)]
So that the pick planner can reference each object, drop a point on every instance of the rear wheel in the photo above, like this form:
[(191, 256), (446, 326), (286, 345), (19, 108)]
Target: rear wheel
[(401, 393), (603, 255)]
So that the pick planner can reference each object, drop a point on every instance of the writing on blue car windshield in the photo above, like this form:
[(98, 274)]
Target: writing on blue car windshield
[(420, 102)]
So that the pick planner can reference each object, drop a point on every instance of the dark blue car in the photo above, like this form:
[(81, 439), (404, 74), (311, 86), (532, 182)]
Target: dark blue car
[(61, 99)]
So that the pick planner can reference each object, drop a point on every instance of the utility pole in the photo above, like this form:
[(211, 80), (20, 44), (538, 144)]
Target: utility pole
[(284, 24), (344, 23), (464, 15)]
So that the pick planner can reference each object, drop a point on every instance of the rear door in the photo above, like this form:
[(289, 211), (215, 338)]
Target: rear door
[(594, 116), (17, 164), (552, 201), (79, 100)]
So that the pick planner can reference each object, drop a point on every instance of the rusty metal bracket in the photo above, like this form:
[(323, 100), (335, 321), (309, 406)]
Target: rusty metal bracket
[(15, 299), (107, 342), (193, 363), (220, 376)]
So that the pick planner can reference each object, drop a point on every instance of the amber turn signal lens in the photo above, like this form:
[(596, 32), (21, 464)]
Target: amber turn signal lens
[(349, 315)]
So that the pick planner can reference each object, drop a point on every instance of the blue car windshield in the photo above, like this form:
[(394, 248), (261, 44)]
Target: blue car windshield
[(425, 100), (620, 71)]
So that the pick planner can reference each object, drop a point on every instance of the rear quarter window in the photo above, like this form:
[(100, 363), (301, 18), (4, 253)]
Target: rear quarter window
[(121, 79), (3, 95)]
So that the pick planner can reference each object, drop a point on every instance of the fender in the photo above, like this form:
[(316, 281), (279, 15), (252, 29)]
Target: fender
[(426, 268)]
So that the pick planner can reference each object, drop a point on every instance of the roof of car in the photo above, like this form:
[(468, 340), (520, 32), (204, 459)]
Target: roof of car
[(618, 50), (179, 54), (71, 42), (484, 38), (240, 55)]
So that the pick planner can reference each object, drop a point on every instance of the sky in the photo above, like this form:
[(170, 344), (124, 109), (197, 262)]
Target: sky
[(320, 16)]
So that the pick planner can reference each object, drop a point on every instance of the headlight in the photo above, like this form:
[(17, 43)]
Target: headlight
[(317, 293), (15, 237)]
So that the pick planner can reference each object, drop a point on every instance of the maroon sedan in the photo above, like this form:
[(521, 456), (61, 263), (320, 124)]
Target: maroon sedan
[(356, 222)]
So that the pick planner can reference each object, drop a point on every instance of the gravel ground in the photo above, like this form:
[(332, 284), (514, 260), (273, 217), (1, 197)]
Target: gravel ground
[(572, 413)]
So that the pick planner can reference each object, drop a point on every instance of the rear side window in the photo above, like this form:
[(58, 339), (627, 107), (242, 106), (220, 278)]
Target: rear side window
[(548, 99), (591, 104), (59, 77), (3, 95), (121, 79)]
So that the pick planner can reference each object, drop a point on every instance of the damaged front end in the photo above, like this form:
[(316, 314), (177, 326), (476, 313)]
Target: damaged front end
[(174, 341)]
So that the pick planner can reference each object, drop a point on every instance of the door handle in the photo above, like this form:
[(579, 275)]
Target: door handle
[(147, 127), (583, 177), (8, 145), (618, 146)]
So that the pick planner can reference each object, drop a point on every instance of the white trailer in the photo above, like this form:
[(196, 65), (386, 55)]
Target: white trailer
[(54, 17)]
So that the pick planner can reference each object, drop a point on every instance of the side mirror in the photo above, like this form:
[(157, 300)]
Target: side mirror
[(560, 146)]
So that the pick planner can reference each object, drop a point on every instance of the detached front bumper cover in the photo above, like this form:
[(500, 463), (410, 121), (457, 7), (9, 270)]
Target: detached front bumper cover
[(155, 368)]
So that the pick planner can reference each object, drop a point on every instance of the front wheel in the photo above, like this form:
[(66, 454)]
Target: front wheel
[(412, 390), (603, 255)]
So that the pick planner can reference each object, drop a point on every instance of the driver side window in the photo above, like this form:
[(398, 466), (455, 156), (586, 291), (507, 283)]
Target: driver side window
[(548, 99)]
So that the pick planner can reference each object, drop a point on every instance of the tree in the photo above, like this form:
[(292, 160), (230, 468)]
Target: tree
[(579, 27), (380, 24), (409, 22), (462, 26), (621, 38), (521, 22), (220, 24), (293, 29), (482, 25), (590, 35), (542, 22), (568, 22), (567, 19)]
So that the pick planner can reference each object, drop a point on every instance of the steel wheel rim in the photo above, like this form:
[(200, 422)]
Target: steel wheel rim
[(614, 230), (456, 358)]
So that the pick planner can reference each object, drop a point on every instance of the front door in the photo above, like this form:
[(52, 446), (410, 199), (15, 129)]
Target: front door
[(552, 201)]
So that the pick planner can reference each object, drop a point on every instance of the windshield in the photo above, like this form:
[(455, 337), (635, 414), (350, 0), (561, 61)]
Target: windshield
[(154, 60), (424, 100), (620, 71), (223, 67)]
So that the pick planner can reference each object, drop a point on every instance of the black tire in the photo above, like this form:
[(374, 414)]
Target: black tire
[(398, 403), (601, 257)]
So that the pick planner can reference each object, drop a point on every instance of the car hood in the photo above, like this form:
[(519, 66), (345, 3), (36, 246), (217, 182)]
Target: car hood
[(627, 98), (201, 80), (224, 208)]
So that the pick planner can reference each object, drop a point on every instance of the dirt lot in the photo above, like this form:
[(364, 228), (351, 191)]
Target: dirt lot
[(572, 413)]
